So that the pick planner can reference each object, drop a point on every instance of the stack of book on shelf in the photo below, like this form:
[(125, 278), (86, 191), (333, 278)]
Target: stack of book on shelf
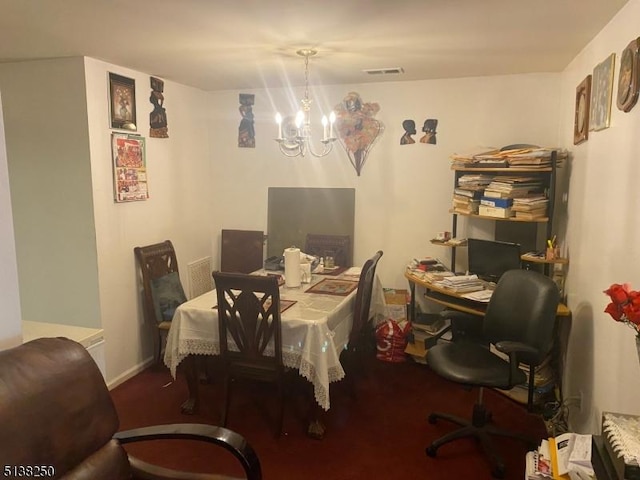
[(461, 283), (621, 438), (544, 381), (531, 207), (563, 457), (467, 194), (535, 157), (495, 207), (426, 330), (468, 159), (490, 157), (504, 186)]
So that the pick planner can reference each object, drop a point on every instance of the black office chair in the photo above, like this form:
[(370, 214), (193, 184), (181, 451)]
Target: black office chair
[(519, 321)]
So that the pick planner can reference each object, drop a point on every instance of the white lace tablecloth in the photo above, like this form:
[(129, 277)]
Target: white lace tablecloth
[(314, 332)]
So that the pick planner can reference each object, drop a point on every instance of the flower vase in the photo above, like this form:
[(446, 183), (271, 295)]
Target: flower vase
[(638, 345)]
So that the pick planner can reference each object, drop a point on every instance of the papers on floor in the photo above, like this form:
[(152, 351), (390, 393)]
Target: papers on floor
[(564, 456)]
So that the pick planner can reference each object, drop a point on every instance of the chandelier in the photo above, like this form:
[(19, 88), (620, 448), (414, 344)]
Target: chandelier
[(294, 134)]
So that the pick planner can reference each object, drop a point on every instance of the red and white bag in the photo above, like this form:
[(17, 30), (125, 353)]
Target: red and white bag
[(391, 339)]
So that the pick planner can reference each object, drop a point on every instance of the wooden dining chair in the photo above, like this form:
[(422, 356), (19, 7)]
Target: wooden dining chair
[(338, 246), (359, 338), (162, 291), (241, 251), (250, 333)]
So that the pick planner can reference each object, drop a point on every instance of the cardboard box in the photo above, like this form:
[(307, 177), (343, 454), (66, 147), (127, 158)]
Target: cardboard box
[(395, 303), (497, 212)]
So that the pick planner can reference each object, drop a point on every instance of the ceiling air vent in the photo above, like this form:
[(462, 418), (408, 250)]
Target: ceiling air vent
[(384, 71)]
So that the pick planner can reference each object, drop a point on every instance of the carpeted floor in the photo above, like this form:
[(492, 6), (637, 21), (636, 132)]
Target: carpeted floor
[(380, 435)]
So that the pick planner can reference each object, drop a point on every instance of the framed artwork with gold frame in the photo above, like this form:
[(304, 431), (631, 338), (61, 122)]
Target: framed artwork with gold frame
[(628, 77), (581, 121), (122, 102), (602, 94)]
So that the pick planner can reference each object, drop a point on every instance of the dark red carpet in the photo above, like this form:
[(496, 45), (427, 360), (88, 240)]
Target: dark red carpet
[(380, 435)]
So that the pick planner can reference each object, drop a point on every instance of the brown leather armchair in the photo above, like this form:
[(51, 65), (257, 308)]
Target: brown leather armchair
[(57, 416)]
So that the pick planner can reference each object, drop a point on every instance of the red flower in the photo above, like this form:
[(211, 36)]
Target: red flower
[(625, 305), (618, 292), (615, 311)]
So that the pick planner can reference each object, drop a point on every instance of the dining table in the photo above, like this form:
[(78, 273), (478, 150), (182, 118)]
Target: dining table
[(316, 320)]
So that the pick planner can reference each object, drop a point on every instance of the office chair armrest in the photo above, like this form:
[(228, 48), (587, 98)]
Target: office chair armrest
[(510, 347), (222, 437), (456, 315), (513, 349)]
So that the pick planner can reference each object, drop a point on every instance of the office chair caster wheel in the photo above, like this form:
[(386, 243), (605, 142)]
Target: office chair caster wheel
[(498, 471), (432, 419), (430, 451)]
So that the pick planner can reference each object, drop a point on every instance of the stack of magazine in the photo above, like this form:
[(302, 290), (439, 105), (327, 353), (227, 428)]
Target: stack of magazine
[(461, 283)]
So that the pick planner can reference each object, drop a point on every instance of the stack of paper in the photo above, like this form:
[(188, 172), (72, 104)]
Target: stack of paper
[(461, 283)]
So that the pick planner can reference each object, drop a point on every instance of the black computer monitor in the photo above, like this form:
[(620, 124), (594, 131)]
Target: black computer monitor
[(489, 259)]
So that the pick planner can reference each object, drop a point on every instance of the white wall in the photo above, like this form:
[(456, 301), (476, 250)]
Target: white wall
[(603, 234), (179, 207), (404, 193), (49, 170), (11, 319)]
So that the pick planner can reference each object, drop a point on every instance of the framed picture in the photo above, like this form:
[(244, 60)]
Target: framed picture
[(581, 121), (129, 168), (122, 102), (601, 94), (628, 77)]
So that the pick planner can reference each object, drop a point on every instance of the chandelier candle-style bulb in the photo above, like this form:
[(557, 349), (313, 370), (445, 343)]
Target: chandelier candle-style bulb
[(299, 121), (325, 124), (279, 122), (332, 120)]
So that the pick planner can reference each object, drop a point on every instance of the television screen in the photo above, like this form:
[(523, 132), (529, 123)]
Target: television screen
[(489, 259)]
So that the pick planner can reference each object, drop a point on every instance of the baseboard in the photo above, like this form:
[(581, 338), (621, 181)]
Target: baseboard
[(132, 372)]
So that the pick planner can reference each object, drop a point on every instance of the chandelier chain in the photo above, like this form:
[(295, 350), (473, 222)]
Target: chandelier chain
[(306, 77)]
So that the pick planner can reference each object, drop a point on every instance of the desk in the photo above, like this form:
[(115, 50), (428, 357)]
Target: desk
[(456, 301), (315, 330), (452, 299)]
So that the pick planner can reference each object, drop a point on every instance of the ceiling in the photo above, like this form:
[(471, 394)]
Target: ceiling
[(244, 44)]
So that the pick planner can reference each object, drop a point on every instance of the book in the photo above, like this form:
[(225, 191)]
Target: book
[(496, 202), (570, 452), (464, 192), (429, 323), (531, 215), (497, 212)]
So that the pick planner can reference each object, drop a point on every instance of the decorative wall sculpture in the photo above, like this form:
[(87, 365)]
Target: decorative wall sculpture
[(357, 127), (158, 117), (246, 132)]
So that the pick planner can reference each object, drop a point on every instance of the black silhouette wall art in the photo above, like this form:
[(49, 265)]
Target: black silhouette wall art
[(409, 129), (429, 129)]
